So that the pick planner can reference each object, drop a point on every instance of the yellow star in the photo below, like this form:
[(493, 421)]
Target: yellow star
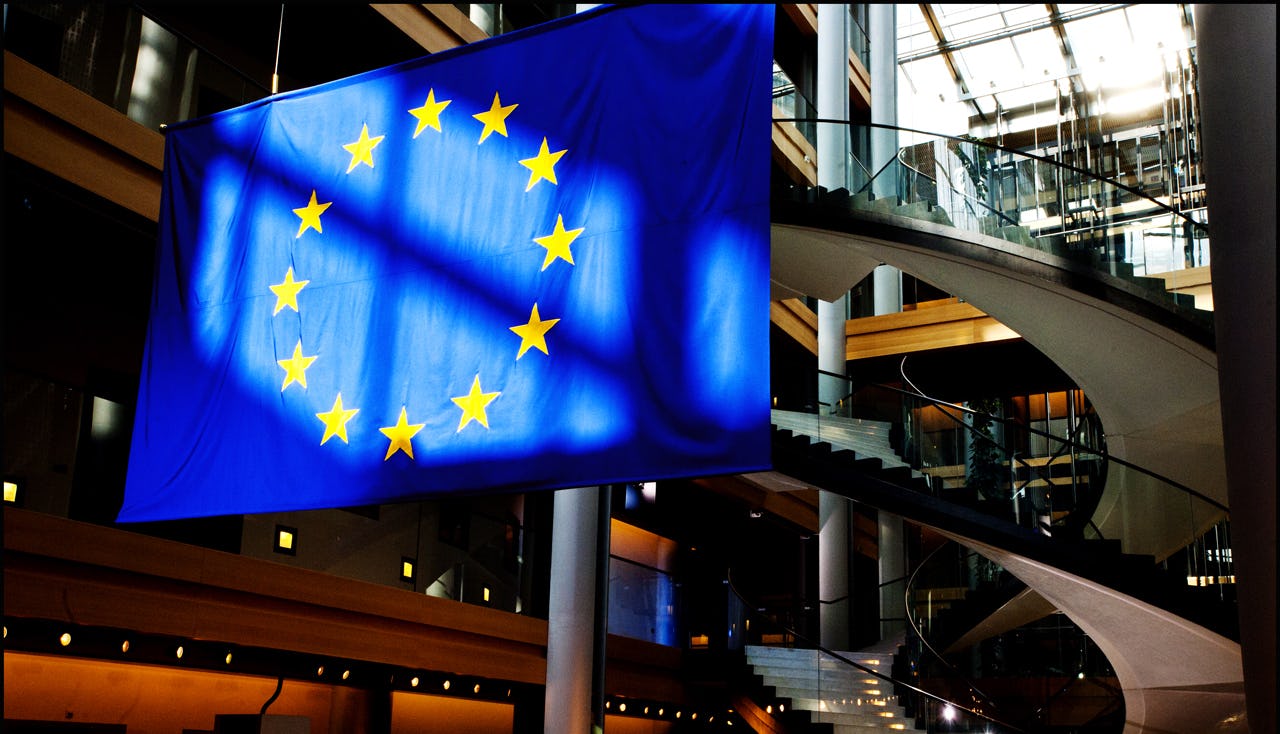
[(362, 150), (310, 215), (335, 421), (495, 119), (287, 292), (473, 404), (542, 166), (557, 243), (429, 113), (295, 368), (534, 333), (400, 434)]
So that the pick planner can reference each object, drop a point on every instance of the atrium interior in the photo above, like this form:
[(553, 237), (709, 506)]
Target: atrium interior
[(1016, 389)]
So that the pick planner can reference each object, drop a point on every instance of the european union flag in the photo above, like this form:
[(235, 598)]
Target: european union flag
[(535, 262)]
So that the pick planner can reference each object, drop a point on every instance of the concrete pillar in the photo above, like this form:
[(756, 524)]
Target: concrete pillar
[(886, 280), (833, 157), (571, 612), (882, 36), (886, 290), (833, 95), (1236, 53), (892, 565), (360, 709)]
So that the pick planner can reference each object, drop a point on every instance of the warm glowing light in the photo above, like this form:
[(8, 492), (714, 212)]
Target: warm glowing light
[(646, 709), (622, 707), (346, 674), (10, 492), (782, 707), (607, 704), (124, 646), (948, 713), (677, 714), (476, 689), (179, 652), (285, 539), (768, 709), (228, 658), (660, 712), (486, 593), (320, 670), (1080, 675), (65, 639), (406, 569), (694, 716), (446, 685), (414, 681)]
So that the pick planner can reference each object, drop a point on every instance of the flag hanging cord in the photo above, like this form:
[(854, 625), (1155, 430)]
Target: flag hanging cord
[(275, 72)]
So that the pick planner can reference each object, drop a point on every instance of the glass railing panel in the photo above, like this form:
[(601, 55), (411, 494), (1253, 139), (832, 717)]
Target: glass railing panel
[(802, 680), (1045, 672), (1030, 202), (123, 58), (65, 453), (643, 602), (1052, 476)]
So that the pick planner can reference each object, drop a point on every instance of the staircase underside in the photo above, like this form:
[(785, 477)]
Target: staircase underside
[(1148, 367), (1178, 677)]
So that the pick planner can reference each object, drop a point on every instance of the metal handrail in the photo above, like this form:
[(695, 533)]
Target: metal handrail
[(906, 600), (1090, 449), (860, 667)]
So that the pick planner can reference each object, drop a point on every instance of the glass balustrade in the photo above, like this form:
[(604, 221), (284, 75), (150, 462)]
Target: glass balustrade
[(798, 680), (125, 59), (1046, 472), (1044, 672), (1032, 204), (66, 452), (644, 602)]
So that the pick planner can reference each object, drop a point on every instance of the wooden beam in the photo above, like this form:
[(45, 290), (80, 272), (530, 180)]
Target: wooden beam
[(948, 324), (793, 153), (56, 127), (805, 17), (435, 27), (795, 318), (859, 84), (87, 574)]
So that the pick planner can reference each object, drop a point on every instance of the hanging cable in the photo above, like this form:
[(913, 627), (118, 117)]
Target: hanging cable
[(274, 696), (275, 72)]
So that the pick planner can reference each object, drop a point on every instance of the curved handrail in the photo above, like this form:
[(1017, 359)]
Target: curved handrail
[(862, 668), (1012, 151), (915, 627), (1092, 449), (1035, 715), (967, 197)]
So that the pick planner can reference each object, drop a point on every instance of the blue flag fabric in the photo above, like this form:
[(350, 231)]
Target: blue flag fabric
[(535, 262)]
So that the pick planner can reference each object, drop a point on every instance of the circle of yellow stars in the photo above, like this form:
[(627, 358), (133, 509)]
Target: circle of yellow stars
[(533, 333)]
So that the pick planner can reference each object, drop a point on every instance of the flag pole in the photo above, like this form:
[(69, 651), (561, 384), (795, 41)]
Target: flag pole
[(275, 71), (603, 516)]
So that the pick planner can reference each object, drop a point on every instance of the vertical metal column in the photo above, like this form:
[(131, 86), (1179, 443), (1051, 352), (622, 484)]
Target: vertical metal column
[(1236, 53)]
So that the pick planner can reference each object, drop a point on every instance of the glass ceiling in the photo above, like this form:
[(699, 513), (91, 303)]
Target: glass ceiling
[(960, 66)]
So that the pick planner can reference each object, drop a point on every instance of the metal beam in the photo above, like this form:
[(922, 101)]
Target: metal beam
[(935, 28)]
